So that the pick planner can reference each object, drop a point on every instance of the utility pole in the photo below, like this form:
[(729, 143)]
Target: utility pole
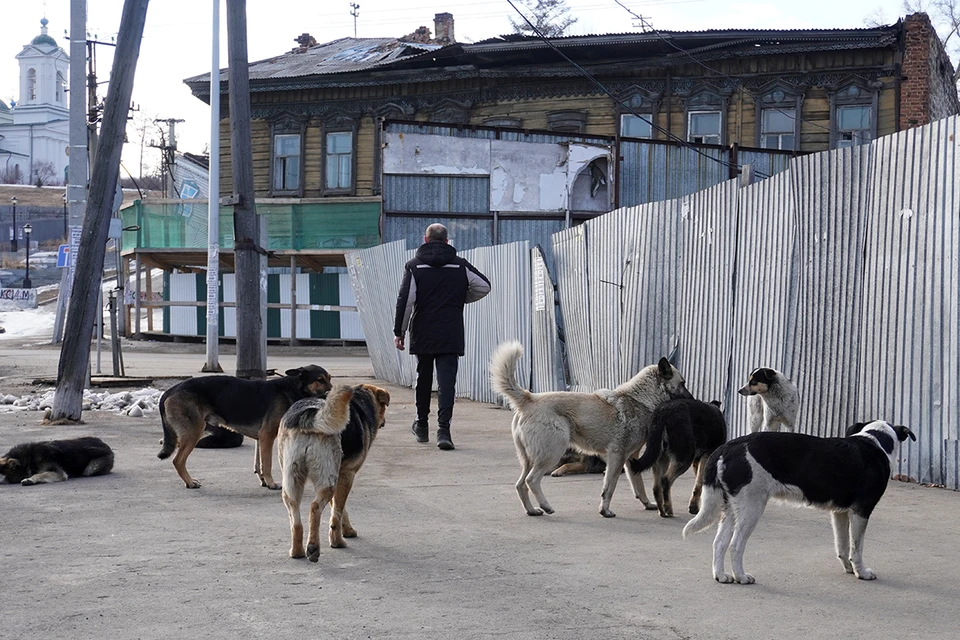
[(77, 171), (213, 207), (169, 149), (83, 308), (251, 351)]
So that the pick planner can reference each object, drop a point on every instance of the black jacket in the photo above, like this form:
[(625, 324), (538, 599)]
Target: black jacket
[(436, 285)]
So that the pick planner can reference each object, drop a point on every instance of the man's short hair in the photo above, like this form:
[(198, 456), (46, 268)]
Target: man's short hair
[(436, 233)]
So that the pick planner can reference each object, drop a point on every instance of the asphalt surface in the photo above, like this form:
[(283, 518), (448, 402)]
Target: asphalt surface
[(444, 548)]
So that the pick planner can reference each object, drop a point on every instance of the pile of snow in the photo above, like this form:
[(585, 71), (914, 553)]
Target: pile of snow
[(27, 323), (135, 404)]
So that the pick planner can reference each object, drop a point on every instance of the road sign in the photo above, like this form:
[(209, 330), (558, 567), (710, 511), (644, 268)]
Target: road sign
[(63, 256)]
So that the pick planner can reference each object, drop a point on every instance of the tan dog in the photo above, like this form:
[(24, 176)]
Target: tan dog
[(613, 424), (250, 407), (326, 442)]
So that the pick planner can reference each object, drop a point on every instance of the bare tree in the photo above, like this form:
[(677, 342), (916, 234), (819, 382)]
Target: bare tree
[(550, 17), (11, 175), (45, 172)]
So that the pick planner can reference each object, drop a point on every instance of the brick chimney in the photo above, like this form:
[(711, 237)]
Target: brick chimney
[(926, 89), (443, 28)]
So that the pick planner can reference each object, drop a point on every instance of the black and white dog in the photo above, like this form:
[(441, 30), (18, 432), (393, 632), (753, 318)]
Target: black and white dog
[(846, 476)]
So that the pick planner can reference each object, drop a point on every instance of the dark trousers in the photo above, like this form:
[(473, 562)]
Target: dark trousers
[(446, 364)]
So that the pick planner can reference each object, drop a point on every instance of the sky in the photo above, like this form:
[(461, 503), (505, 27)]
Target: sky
[(178, 35)]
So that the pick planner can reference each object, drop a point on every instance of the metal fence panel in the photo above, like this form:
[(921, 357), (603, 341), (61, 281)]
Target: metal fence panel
[(570, 256), (465, 233), (436, 194), (548, 360)]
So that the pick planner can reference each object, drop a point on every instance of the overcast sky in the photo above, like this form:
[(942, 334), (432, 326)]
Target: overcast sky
[(177, 38)]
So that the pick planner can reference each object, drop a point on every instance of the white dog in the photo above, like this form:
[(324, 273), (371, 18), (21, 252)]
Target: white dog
[(846, 476), (614, 424), (772, 401)]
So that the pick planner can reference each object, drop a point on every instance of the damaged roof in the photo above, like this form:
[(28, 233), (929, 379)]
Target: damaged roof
[(353, 60)]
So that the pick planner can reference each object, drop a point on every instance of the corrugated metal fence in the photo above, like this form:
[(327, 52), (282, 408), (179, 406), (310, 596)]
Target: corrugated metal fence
[(843, 272)]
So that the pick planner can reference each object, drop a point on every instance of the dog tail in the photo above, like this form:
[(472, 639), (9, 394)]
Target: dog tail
[(169, 437), (652, 451), (712, 502), (503, 378), (326, 416)]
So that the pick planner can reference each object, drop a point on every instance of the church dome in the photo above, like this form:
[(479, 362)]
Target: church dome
[(43, 38)]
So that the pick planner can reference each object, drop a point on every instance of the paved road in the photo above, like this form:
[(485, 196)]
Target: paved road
[(445, 550)]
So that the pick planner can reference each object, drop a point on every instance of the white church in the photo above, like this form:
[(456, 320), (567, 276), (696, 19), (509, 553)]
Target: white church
[(34, 131)]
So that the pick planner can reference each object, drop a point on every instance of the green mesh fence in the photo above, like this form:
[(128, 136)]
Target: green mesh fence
[(183, 225)]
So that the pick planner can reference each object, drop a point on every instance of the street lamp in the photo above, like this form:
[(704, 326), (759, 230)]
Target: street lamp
[(27, 230), (13, 229), (66, 236)]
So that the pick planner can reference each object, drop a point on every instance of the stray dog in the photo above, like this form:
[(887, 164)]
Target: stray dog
[(772, 402), (573, 462), (250, 407), (614, 424), (685, 432), (846, 476), (56, 460), (216, 437), (326, 441)]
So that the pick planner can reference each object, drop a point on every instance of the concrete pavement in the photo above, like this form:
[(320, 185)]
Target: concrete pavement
[(444, 548)]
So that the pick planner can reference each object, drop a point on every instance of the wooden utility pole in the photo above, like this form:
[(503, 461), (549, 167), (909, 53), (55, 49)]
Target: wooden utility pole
[(251, 354), (83, 308)]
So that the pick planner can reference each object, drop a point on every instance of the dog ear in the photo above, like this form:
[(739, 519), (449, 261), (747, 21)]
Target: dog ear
[(857, 427), (293, 372), (383, 397), (9, 464), (664, 368), (716, 403), (904, 432), (767, 375)]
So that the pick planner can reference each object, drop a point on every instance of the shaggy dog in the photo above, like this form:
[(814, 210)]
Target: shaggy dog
[(846, 476), (55, 461), (773, 401), (250, 407), (614, 424), (685, 432), (326, 442)]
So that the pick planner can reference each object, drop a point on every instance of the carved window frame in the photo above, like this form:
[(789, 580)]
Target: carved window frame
[(286, 127), (339, 125), (778, 98), (572, 121), (637, 101), (706, 101), (853, 94)]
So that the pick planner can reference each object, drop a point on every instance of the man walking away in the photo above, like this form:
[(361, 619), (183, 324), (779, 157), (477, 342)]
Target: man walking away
[(436, 285)]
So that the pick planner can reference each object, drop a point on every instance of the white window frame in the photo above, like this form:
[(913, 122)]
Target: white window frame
[(350, 159), (624, 117), (778, 134), (278, 165), (854, 137), (703, 140)]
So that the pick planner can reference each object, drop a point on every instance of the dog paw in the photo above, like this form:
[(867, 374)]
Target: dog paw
[(546, 508), (723, 578), (28, 482), (534, 512), (666, 515), (606, 513), (193, 484), (349, 533), (847, 565), (745, 579), (313, 552), (337, 543), (273, 486), (650, 506), (297, 553), (867, 574)]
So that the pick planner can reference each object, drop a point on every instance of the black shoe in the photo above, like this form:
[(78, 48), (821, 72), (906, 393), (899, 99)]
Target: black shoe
[(443, 439), (421, 431)]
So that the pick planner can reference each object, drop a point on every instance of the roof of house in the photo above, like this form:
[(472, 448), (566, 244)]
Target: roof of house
[(351, 60)]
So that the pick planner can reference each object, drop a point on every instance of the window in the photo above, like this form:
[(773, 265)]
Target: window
[(703, 127), (61, 83), (286, 162), (339, 161), (854, 125), (777, 129), (505, 121), (633, 127), (32, 84), (567, 121)]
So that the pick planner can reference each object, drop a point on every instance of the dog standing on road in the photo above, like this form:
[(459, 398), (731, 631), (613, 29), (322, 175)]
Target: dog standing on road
[(612, 423), (55, 461), (773, 401), (846, 476), (250, 407), (326, 442), (685, 432)]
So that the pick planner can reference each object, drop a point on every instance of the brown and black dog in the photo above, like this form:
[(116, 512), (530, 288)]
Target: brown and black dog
[(326, 442), (250, 407)]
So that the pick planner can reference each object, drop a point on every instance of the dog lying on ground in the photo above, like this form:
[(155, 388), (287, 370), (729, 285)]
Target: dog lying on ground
[(684, 432), (249, 407), (326, 442), (773, 401), (614, 424), (846, 476), (56, 460), (217, 437), (573, 462)]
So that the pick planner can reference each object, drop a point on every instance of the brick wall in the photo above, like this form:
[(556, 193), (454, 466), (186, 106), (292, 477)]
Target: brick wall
[(927, 91)]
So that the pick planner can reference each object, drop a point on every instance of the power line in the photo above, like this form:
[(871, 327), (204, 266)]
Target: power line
[(680, 141)]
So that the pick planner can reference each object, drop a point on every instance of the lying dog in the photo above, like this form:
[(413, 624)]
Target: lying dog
[(573, 462), (326, 442), (846, 476), (685, 432), (56, 460), (250, 407), (614, 424), (773, 401)]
